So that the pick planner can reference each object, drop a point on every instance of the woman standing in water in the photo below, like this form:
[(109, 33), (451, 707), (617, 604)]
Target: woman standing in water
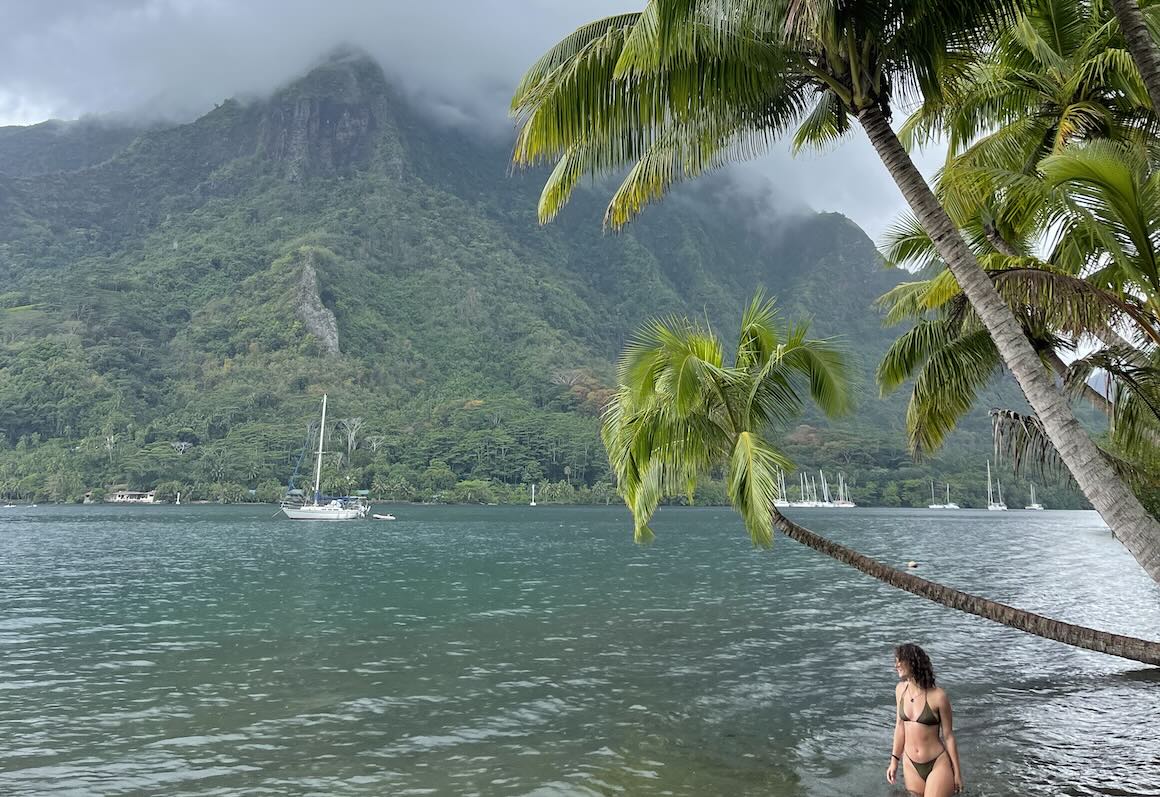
[(923, 733)]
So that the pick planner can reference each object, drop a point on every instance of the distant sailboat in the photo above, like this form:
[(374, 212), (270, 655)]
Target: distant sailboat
[(992, 504), (807, 501), (827, 500), (932, 504), (1033, 505), (782, 500), (948, 505), (843, 501), (533, 502), (335, 508)]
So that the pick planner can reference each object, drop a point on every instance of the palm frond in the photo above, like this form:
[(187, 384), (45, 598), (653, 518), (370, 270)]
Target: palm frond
[(759, 336), (701, 142), (568, 49), (1071, 304), (947, 387), (752, 484), (907, 244), (825, 125), (1022, 439)]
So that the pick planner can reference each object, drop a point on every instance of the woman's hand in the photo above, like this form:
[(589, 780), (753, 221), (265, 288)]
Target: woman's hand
[(890, 770), (958, 782)]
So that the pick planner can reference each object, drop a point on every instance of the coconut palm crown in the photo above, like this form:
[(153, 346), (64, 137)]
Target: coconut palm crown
[(681, 410), (685, 86)]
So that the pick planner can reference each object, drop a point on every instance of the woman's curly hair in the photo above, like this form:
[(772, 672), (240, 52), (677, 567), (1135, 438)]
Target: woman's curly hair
[(918, 663)]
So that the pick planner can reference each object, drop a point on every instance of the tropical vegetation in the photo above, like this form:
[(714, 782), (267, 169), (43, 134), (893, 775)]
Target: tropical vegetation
[(164, 312), (1051, 176), (682, 411), (685, 86)]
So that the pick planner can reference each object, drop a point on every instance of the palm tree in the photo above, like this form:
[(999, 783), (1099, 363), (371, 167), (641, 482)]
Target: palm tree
[(1057, 75), (1141, 42), (1108, 201), (681, 410), (1056, 96), (688, 85)]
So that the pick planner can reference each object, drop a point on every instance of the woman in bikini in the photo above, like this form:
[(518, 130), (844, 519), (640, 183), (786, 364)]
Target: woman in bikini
[(924, 736)]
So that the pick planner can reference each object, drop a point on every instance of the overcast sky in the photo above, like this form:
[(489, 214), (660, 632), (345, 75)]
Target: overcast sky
[(175, 58)]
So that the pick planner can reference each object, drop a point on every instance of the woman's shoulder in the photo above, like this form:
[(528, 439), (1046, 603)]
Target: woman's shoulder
[(938, 694), (898, 687)]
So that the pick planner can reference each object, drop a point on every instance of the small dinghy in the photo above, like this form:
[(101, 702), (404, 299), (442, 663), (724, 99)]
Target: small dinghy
[(383, 517)]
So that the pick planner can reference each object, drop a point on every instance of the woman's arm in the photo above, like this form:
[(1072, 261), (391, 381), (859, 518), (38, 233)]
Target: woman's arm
[(948, 735), (898, 744)]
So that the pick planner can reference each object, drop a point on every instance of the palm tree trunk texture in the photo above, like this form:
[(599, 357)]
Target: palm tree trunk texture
[(1078, 636), (1117, 505), (1140, 44)]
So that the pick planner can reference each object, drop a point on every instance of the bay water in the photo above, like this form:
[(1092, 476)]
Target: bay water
[(209, 650)]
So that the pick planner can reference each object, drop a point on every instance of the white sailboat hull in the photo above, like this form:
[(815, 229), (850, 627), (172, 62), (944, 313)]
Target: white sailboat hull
[(324, 512)]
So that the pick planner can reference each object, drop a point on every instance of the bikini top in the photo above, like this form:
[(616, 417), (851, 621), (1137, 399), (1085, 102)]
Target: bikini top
[(927, 717)]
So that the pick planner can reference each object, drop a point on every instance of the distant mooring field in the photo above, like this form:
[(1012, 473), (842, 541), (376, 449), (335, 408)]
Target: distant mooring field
[(503, 650)]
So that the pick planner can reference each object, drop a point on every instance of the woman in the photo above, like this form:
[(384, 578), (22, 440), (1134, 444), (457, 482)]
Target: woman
[(924, 736)]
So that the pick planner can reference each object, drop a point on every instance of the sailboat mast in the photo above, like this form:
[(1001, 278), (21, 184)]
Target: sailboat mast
[(990, 492), (318, 461)]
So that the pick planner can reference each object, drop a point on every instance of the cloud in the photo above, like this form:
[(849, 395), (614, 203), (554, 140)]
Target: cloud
[(461, 58)]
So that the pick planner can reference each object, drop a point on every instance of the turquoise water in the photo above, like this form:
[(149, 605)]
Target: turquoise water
[(519, 651)]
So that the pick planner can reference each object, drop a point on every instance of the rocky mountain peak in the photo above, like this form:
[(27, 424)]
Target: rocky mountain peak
[(326, 122)]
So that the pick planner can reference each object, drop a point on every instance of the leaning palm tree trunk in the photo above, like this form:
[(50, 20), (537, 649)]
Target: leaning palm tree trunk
[(1140, 44), (1117, 505), (1126, 647)]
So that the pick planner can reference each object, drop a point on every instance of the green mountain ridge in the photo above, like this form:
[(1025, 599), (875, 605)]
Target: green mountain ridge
[(175, 303)]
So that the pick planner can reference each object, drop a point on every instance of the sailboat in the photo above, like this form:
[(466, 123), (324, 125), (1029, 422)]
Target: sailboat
[(992, 504), (932, 504), (948, 505), (1033, 505), (843, 501), (781, 500), (808, 501), (827, 500), (332, 509), (533, 503)]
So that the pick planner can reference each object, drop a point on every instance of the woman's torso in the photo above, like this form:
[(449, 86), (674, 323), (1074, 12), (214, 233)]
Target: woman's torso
[(921, 717)]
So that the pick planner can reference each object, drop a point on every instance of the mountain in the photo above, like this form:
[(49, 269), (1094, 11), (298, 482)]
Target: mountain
[(175, 299)]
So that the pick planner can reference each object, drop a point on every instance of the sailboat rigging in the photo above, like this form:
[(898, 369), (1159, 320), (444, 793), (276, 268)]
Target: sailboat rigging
[(992, 504), (321, 507)]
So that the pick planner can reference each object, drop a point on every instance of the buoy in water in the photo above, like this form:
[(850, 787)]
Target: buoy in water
[(912, 563)]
